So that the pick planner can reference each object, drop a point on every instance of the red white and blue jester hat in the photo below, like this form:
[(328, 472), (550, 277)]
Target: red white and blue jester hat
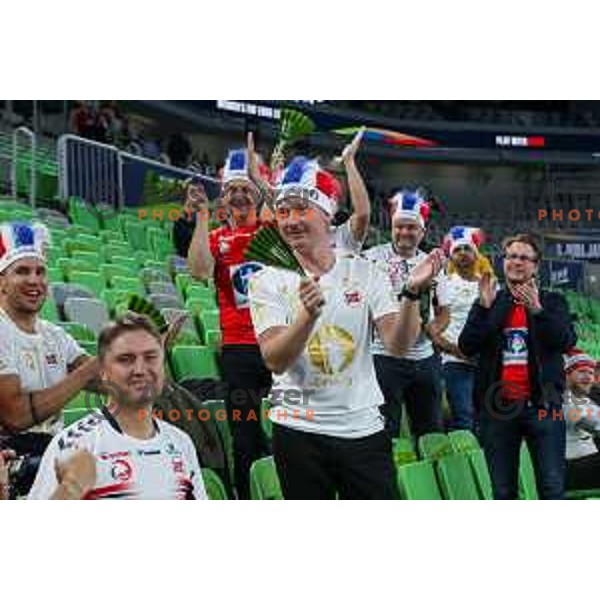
[(237, 166), (22, 240), (461, 235), (304, 177), (410, 204)]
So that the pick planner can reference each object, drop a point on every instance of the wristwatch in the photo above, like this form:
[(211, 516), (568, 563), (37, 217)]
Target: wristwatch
[(406, 293)]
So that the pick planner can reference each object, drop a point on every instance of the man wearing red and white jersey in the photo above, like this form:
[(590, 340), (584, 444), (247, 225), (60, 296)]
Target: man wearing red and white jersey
[(220, 254), (137, 457)]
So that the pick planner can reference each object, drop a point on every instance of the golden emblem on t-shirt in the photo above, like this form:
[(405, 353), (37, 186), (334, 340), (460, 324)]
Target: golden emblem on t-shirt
[(331, 349)]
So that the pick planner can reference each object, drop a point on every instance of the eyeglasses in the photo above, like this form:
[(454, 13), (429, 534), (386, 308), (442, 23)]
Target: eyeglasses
[(522, 257)]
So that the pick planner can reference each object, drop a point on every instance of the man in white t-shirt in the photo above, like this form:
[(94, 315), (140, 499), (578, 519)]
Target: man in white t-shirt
[(456, 293), (137, 457), (414, 379), (582, 417), (41, 366), (314, 334)]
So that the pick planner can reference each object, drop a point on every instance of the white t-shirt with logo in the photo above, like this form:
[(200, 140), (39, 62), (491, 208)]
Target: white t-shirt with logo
[(164, 467), (458, 295), (398, 270), (40, 359), (334, 374)]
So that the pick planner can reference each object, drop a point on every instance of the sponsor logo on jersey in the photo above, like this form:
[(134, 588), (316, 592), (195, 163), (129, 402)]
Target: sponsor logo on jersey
[(51, 360), (121, 470)]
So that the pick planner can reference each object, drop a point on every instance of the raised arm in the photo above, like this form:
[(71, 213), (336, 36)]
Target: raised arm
[(361, 206), (200, 259)]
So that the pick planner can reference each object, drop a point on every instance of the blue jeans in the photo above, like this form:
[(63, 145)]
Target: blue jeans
[(460, 379), (545, 437)]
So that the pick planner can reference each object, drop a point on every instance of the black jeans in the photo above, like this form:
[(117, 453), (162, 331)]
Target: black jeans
[(501, 436), (248, 382), (316, 467), (416, 383)]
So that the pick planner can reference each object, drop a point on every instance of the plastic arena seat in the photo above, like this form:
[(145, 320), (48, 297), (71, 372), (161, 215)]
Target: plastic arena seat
[(456, 478), (264, 482), (150, 275), (433, 446), (90, 312), (266, 423), (81, 242), (49, 311), (165, 301), (114, 252), (463, 440), (135, 232), (194, 361), (215, 489), (527, 485), (403, 451), (162, 287), (480, 473), (212, 338), (62, 291), (417, 481), (128, 284), (110, 270), (88, 279)]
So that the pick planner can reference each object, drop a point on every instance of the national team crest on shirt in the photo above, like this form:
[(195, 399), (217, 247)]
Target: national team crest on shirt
[(516, 346), (51, 360), (240, 280)]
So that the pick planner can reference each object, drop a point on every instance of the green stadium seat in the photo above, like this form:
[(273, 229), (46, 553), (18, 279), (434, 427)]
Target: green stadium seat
[(112, 237), (135, 232), (266, 423), (264, 482), (182, 280), (49, 311), (150, 275), (433, 446), (212, 338), (215, 489), (113, 252), (125, 261), (194, 361), (480, 473), (128, 284), (527, 485), (417, 481), (463, 440), (89, 280), (456, 478), (403, 451), (209, 320), (110, 270), (55, 274), (81, 242)]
